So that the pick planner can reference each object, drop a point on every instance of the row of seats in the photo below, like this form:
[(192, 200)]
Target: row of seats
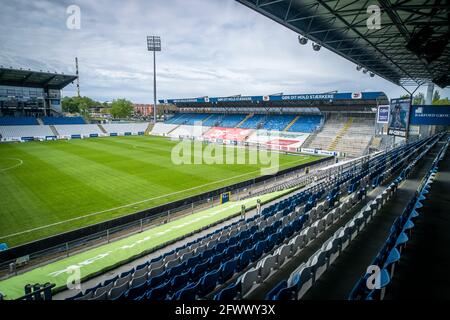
[(62, 120), (193, 258), (400, 233), (25, 131), (308, 273), (197, 268), (78, 129), (231, 120), (305, 123), (254, 122), (18, 121), (122, 128), (272, 262), (188, 131), (278, 122), (255, 275), (319, 221), (30, 132)]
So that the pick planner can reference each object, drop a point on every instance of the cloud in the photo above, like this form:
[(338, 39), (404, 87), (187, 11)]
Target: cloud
[(214, 48)]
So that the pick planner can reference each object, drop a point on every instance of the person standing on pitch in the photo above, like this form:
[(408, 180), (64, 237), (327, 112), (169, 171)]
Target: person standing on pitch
[(243, 212), (258, 206)]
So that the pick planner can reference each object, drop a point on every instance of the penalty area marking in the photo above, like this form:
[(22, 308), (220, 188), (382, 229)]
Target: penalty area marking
[(132, 204), (20, 162)]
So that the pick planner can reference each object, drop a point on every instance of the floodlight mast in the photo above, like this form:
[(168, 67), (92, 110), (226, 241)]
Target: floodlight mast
[(154, 44)]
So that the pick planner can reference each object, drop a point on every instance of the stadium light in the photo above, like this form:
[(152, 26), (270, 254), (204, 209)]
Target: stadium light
[(358, 67), (302, 40), (365, 71), (316, 47), (153, 45), (372, 74)]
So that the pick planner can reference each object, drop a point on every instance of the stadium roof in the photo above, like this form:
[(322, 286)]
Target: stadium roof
[(290, 97), (35, 79), (341, 26)]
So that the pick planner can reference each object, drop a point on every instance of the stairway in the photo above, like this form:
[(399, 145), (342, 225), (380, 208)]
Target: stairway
[(243, 121), (207, 118), (102, 129), (309, 140), (173, 129), (149, 129), (341, 133), (291, 123), (55, 132)]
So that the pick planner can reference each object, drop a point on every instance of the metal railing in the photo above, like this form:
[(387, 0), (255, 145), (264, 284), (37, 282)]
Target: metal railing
[(58, 252)]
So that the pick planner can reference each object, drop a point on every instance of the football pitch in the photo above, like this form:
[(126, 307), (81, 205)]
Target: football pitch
[(98, 260), (51, 187)]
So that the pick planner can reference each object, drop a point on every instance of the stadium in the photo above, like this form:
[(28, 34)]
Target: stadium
[(274, 197)]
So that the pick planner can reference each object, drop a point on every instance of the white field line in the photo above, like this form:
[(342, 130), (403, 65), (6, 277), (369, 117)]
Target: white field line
[(14, 166), (130, 204)]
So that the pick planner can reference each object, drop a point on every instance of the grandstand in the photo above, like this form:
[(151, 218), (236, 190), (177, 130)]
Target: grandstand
[(125, 128), (25, 93), (251, 258), (356, 209), (253, 122), (27, 132), (278, 122), (81, 130), (63, 120), (31, 128), (187, 131), (350, 136), (336, 123)]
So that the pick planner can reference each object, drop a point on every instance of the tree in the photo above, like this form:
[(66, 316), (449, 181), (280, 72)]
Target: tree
[(436, 96), (419, 99), (442, 102), (77, 104), (121, 108)]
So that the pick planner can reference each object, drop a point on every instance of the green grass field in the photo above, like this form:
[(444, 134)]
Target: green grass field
[(118, 252), (50, 187)]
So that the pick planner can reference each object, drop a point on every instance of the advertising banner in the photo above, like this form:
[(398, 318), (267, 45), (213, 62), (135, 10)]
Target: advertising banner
[(431, 115), (383, 114), (399, 117)]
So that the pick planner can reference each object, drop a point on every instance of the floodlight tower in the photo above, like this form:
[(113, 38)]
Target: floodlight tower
[(154, 44)]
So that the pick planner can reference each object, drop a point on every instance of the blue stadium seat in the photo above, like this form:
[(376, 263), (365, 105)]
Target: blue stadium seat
[(200, 269), (62, 120), (253, 122), (217, 259), (306, 123), (245, 258), (138, 291), (277, 122), (209, 281), (159, 293), (272, 294), (179, 280), (18, 121), (188, 293), (157, 280), (231, 120), (227, 269), (229, 293)]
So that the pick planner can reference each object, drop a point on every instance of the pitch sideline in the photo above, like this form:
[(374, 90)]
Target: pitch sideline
[(129, 205)]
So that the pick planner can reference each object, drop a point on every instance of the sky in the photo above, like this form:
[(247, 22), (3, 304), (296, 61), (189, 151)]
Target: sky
[(209, 48)]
